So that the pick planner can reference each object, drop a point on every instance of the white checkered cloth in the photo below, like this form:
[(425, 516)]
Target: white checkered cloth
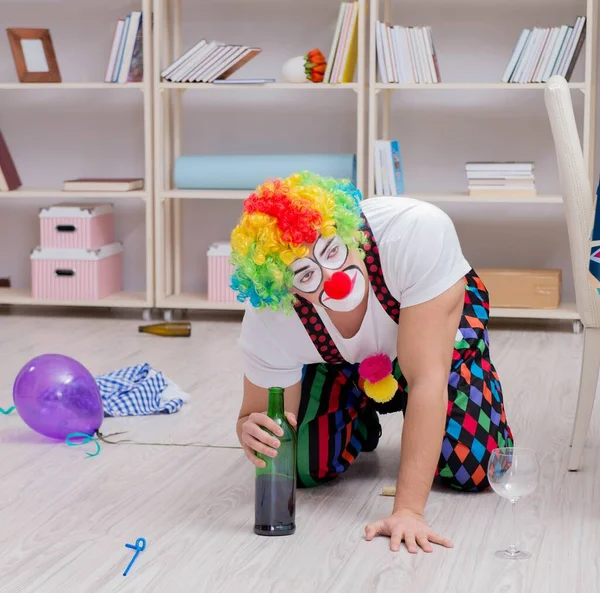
[(139, 390)]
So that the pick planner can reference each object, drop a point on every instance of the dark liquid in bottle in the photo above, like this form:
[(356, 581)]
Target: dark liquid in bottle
[(275, 506)]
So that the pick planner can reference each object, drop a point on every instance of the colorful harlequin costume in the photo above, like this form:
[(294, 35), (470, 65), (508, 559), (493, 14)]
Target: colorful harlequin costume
[(296, 232)]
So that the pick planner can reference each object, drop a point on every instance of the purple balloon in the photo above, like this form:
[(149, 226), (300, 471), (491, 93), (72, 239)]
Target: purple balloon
[(55, 395)]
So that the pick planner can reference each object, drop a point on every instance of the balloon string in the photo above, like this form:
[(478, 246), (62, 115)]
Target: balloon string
[(7, 412), (86, 439), (104, 439)]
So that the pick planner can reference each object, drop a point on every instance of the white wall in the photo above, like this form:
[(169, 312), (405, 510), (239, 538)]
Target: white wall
[(57, 135)]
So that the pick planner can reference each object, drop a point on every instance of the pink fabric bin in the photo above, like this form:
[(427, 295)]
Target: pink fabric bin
[(219, 274), (76, 274), (77, 226)]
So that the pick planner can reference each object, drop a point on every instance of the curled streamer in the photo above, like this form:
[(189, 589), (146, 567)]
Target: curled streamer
[(86, 439)]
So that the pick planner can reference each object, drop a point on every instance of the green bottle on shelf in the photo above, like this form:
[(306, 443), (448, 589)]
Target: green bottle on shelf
[(275, 494)]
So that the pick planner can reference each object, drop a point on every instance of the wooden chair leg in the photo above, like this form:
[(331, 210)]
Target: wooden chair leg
[(587, 393)]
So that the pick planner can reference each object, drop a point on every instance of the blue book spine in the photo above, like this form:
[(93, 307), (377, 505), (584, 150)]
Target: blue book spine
[(595, 248), (596, 228), (397, 162), (119, 61)]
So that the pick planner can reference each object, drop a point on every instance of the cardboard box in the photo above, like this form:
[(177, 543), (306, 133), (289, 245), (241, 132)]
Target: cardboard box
[(523, 288)]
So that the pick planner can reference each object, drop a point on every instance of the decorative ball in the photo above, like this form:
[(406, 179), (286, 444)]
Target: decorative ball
[(382, 391), (55, 395), (376, 367), (339, 286)]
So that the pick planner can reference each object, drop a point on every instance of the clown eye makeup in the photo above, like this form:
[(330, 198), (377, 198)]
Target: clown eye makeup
[(307, 275), (331, 252)]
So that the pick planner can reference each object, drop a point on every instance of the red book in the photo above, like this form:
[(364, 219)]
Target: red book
[(9, 177)]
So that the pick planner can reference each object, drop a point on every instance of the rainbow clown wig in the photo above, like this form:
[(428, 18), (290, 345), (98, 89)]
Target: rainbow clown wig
[(280, 218)]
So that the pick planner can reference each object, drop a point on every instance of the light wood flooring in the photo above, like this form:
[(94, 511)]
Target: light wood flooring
[(65, 518)]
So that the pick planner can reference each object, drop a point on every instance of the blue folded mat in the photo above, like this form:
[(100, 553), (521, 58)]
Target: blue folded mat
[(249, 171)]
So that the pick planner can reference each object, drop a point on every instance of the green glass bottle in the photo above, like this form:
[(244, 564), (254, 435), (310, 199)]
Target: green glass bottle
[(275, 495)]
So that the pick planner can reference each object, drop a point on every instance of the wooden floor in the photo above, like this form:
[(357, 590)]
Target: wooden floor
[(65, 518)]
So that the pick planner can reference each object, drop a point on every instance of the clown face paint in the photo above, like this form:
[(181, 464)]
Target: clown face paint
[(353, 298), (311, 274)]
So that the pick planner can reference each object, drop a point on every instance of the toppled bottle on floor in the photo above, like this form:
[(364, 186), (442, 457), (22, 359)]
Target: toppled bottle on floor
[(171, 329)]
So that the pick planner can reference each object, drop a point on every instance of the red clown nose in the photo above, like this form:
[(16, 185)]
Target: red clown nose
[(339, 286)]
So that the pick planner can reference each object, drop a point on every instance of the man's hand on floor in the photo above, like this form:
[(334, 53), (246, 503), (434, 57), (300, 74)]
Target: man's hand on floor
[(408, 526)]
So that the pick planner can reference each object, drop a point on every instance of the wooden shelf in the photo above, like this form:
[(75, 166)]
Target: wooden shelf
[(198, 302), (465, 198), (566, 311), (207, 194), (60, 194), (241, 194), (271, 86), (19, 296), (474, 86), (69, 86)]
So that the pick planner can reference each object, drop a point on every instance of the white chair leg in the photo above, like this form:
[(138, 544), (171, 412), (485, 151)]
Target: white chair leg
[(587, 392)]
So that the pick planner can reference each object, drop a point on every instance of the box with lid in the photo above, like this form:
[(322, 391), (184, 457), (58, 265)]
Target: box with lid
[(77, 226), (219, 273), (76, 274)]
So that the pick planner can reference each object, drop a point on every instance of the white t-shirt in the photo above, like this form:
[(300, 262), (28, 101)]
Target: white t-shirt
[(420, 257)]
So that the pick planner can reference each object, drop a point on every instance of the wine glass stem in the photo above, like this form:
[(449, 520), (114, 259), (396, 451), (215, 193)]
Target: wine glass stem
[(512, 549)]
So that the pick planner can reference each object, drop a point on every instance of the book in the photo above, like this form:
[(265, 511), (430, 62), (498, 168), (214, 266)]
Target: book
[(135, 23), (207, 62), (103, 184), (405, 55), (510, 179), (244, 81), (389, 178), (343, 53), (9, 176), (126, 58), (542, 52), (114, 50), (136, 65)]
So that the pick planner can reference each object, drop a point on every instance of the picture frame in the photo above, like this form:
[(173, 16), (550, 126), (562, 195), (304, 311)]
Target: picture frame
[(33, 54)]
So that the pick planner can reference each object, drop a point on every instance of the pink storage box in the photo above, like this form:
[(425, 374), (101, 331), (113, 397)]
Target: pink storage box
[(77, 226), (76, 274), (219, 274)]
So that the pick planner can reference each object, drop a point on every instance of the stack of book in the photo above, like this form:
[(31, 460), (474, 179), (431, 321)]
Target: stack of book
[(208, 61), (126, 60), (509, 179), (406, 55), (389, 180), (341, 62), (544, 52)]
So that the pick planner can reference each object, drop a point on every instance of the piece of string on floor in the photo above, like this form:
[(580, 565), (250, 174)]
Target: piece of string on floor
[(104, 438)]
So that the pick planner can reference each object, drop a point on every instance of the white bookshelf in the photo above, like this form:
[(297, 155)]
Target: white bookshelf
[(467, 86), (168, 116), (136, 300), (70, 86), (270, 86), (380, 114), (58, 194)]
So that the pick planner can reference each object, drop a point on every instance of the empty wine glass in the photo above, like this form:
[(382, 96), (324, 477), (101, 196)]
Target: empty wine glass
[(513, 473)]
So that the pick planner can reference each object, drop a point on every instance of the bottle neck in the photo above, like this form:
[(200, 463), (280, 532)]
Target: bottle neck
[(275, 402)]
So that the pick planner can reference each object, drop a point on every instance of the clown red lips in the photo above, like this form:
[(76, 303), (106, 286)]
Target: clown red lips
[(332, 275)]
